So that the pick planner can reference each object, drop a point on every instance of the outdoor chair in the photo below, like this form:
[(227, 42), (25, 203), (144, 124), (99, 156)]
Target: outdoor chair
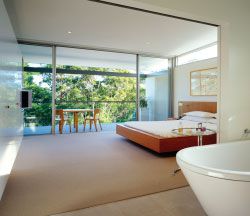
[(62, 119), (93, 119)]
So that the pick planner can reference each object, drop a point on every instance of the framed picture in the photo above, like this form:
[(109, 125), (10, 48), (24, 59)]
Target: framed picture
[(203, 82)]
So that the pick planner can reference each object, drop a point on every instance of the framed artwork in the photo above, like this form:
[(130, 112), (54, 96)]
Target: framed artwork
[(203, 82)]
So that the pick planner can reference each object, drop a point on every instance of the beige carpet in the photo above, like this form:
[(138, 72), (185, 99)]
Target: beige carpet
[(55, 174)]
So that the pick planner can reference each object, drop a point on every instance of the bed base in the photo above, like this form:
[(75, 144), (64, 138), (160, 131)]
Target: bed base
[(161, 144)]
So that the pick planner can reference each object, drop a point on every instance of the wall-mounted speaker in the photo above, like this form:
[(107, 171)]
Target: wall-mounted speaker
[(26, 99)]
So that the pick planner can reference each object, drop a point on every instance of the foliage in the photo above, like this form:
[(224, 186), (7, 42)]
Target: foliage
[(143, 102), (42, 97), (116, 96)]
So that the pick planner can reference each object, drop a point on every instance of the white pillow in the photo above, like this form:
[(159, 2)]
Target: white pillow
[(195, 119), (212, 120), (201, 114)]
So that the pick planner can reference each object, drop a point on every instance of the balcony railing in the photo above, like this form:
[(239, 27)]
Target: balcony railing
[(40, 115)]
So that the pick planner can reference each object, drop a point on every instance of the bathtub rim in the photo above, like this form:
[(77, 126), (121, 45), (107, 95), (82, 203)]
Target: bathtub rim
[(213, 172)]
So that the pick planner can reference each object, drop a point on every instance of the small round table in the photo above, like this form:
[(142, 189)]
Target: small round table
[(192, 132)]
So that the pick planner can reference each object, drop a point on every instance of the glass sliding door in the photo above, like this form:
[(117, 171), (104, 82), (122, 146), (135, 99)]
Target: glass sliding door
[(88, 79), (154, 89), (37, 77)]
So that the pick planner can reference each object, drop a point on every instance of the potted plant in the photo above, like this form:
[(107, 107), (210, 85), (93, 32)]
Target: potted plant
[(143, 102)]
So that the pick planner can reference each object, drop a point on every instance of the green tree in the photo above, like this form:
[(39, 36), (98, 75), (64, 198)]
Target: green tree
[(116, 96)]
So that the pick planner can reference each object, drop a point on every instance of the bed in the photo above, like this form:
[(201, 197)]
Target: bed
[(157, 135)]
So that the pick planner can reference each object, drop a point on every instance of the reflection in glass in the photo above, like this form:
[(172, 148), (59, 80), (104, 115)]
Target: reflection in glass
[(37, 76), (154, 88)]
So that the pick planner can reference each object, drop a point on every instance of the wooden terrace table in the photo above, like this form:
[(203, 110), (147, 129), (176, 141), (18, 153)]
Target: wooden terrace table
[(75, 113)]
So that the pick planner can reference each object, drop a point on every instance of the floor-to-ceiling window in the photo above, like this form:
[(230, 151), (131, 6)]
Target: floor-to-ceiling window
[(84, 79), (37, 77), (96, 79), (154, 88), (87, 79)]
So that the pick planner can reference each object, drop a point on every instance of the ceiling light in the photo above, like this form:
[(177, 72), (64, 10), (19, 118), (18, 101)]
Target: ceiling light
[(147, 43), (69, 32)]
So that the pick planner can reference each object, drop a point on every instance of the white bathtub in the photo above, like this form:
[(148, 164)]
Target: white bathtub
[(219, 176)]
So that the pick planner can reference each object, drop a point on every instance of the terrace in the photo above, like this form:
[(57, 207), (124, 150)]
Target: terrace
[(88, 79)]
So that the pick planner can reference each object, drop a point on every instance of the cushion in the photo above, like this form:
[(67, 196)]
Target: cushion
[(212, 121)]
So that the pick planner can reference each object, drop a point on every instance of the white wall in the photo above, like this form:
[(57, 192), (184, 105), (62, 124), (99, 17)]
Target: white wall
[(10, 84), (233, 16), (182, 82)]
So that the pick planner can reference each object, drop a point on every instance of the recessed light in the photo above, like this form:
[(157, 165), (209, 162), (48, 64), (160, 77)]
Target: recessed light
[(147, 43), (69, 32)]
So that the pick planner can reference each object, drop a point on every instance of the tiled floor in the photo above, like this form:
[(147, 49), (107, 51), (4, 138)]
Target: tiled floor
[(33, 130), (178, 202)]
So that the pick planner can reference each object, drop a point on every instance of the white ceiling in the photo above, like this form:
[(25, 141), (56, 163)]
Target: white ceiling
[(37, 55), (104, 26), (78, 57)]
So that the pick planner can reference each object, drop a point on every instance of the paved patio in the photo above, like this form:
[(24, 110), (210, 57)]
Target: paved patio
[(33, 130)]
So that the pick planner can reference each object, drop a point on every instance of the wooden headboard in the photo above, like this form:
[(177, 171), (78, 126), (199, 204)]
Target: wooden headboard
[(188, 106)]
